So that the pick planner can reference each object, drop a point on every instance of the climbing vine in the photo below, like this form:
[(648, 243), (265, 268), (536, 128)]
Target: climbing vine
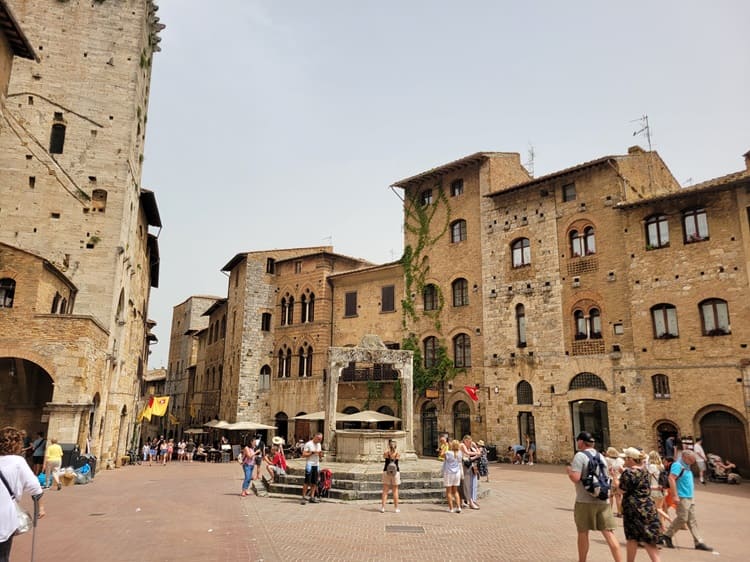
[(420, 221)]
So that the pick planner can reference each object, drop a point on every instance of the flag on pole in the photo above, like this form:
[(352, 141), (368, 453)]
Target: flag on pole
[(472, 392), (159, 407), (173, 419), (146, 413)]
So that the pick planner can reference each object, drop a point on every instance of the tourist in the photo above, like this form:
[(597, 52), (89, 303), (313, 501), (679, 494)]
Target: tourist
[(391, 475), (146, 451), (312, 452), (700, 459), (201, 454), (682, 486), (590, 513), (452, 475), (181, 450), (247, 458), (170, 449), (442, 447), (39, 446), (530, 449), (470, 457), (52, 463), (17, 478), (260, 452), (640, 520), (190, 450), (516, 453), (483, 465), (276, 463), (615, 466), (669, 446), (655, 468)]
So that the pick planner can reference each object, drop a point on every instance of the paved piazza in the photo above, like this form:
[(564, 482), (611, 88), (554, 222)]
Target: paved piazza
[(186, 512)]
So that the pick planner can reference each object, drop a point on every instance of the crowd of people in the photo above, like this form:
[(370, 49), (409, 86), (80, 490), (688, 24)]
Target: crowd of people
[(643, 489)]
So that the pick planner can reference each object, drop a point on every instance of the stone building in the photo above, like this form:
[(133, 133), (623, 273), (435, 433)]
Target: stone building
[(72, 128)]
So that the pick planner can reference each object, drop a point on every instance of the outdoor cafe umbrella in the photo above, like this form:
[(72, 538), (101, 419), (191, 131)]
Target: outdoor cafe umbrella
[(315, 416), (195, 431), (367, 416), (216, 424), (247, 426)]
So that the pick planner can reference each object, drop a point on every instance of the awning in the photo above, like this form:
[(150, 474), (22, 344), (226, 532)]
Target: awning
[(367, 416), (247, 425)]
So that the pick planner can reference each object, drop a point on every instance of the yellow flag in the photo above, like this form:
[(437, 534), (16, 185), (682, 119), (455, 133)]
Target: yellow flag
[(160, 405), (173, 419), (146, 413)]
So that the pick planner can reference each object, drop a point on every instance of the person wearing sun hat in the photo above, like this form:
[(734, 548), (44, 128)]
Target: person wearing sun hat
[(615, 464), (276, 461), (590, 513), (640, 520)]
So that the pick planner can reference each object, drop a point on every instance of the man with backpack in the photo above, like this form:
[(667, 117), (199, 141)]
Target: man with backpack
[(682, 487), (592, 512)]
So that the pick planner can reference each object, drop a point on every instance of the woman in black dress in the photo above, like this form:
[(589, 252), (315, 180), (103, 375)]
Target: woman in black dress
[(639, 516)]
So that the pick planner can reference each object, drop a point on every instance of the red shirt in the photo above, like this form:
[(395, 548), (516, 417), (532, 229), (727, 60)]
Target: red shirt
[(279, 460)]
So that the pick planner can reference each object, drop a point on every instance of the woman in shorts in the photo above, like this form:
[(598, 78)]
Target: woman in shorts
[(452, 475), (391, 476)]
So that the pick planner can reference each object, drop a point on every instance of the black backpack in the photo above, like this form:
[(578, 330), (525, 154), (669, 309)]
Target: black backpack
[(663, 479), (596, 480)]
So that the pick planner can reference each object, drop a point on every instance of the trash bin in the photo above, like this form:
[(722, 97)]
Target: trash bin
[(70, 454), (491, 453)]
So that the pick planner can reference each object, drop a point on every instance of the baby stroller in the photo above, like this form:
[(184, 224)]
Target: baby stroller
[(720, 471)]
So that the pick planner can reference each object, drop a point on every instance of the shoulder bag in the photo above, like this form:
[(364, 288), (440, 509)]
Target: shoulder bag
[(23, 516)]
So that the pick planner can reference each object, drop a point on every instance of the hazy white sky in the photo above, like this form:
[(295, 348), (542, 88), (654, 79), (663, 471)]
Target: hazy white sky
[(282, 123)]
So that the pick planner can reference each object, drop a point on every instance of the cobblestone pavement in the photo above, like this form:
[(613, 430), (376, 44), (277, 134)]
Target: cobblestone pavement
[(187, 512)]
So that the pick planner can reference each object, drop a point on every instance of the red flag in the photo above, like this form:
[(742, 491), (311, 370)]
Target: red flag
[(472, 392)]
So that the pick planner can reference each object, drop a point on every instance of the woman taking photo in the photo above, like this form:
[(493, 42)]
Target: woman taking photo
[(640, 521), (471, 454), (247, 458), (391, 476), (19, 477)]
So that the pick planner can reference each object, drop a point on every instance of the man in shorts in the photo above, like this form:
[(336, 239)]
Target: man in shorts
[(312, 452), (590, 513)]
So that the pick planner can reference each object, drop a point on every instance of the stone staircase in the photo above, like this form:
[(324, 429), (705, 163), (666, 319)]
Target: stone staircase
[(421, 481)]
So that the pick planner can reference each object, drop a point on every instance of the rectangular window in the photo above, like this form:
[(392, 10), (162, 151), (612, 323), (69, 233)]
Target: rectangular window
[(457, 187), (388, 298), (270, 265), (350, 304), (569, 192), (298, 267), (265, 322)]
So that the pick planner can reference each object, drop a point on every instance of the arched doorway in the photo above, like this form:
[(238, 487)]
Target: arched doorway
[(281, 420), (461, 419), (301, 429), (25, 390), (724, 434), (591, 416), (429, 430), (664, 430)]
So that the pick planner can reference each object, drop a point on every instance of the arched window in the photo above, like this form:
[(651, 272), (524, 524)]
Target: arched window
[(55, 303), (307, 303), (430, 351), (460, 292), (430, 297), (287, 310), (285, 360), (582, 243), (657, 232), (521, 249), (461, 419), (304, 368), (462, 350), (661, 386), (715, 317), (458, 231), (664, 320), (224, 326), (283, 311), (587, 380), (524, 393), (695, 224), (520, 325), (64, 306), (588, 323)]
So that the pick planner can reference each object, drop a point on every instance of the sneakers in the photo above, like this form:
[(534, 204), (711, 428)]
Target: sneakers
[(667, 541), (531, 464), (703, 546), (458, 510), (450, 509), (398, 510), (382, 509), (304, 501), (314, 499)]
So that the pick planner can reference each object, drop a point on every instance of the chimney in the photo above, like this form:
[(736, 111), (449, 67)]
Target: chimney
[(635, 149), (747, 160)]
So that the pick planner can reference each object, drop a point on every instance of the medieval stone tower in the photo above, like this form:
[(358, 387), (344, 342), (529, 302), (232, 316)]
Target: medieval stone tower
[(72, 131)]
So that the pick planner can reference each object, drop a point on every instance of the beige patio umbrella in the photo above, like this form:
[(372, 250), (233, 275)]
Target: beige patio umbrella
[(216, 424), (315, 416), (247, 426), (367, 416)]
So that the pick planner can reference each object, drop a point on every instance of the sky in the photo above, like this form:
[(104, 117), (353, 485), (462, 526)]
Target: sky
[(283, 123)]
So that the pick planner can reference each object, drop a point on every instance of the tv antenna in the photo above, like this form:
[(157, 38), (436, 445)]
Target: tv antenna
[(644, 129)]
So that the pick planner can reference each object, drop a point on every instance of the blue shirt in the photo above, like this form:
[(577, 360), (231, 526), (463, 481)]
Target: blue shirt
[(685, 486)]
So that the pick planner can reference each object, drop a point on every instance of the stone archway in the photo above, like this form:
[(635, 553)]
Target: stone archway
[(372, 350), (26, 389)]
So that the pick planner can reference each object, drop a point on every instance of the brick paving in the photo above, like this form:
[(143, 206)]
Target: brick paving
[(187, 512)]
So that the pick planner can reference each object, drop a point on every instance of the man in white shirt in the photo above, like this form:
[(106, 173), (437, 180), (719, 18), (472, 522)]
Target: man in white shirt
[(312, 452)]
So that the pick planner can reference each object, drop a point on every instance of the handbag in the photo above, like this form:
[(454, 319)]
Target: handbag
[(23, 517), (467, 462)]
